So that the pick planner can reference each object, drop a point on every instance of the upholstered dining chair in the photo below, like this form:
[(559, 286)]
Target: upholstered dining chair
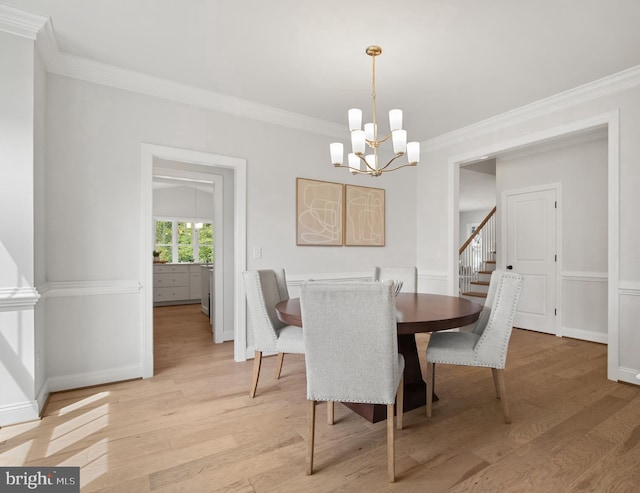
[(487, 344), (408, 276), (351, 352), (264, 289), (481, 323)]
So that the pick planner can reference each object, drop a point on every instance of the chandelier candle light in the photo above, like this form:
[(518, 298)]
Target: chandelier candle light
[(368, 164)]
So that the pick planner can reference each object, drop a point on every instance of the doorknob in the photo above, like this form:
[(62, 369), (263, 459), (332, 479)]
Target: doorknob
[(509, 267)]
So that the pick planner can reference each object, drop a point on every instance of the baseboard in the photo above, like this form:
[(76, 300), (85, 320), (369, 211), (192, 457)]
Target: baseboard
[(628, 375), (178, 302), (79, 380), (19, 413), (585, 335)]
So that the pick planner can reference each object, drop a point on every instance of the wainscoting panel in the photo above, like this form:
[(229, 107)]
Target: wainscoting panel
[(584, 306), (93, 332)]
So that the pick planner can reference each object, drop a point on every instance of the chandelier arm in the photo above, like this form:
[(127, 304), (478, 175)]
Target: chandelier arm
[(353, 170), (384, 168), (399, 167), (376, 143), (362, 158)]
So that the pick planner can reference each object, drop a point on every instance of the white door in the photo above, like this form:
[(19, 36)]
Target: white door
[(531, 251)]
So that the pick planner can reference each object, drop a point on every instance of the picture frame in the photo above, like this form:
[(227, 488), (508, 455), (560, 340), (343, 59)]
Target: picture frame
[(364, 216), (319, 213)]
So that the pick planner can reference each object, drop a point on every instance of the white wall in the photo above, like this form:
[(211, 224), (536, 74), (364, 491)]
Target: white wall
[(179, 202), (93, 195), (17, 292), (436, 173), (581, 171)]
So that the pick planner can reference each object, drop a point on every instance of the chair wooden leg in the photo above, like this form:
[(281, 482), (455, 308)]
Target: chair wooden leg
[(279, 365), (494, 372), (503, 395), (391, 459), (257, 361), (330, 412), (400, 403), (430, 379), (311, 428)]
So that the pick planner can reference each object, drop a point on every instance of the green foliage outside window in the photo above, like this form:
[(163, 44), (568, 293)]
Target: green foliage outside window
[(205, 242), (164, 242), (185, 242), (190, 241)]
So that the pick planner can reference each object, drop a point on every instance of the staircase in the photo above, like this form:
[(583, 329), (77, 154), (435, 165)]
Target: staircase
[(478, 260)]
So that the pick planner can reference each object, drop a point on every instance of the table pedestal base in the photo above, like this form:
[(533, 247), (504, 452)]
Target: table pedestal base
[(415, 389)]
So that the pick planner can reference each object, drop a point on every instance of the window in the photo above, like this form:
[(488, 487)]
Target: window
[(182, 241), (205, 243), (164, 240)]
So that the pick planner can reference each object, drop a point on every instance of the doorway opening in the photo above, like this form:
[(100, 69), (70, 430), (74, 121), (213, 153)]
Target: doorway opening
[(171, 159), (609, 122)]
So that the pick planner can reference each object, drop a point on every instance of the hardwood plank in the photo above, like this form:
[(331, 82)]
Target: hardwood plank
[(193, 427)]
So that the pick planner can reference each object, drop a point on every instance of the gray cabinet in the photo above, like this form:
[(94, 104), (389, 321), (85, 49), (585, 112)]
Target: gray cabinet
[(176, 283), (206, 287)]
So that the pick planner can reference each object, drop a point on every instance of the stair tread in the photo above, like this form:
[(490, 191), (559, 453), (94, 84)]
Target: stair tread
[(480, 283), (475, 293), (489, 261), (485, 272)]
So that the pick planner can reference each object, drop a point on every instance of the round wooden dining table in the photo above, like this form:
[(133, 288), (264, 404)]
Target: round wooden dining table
[(416, 313)]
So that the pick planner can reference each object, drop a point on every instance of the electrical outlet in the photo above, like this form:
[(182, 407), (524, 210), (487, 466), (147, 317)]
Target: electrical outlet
[(257, 253)]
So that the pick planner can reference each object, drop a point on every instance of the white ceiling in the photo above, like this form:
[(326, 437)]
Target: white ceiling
[(447, 63)]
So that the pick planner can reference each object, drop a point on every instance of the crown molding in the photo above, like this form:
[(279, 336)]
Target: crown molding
[(129, 80), (21, 22), (599, 88), (40, 28)]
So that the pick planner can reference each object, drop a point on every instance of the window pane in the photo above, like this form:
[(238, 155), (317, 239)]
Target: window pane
[(185, 234), (185, 240), (205, 241), (163, 232), (185, 253), (164, 240)]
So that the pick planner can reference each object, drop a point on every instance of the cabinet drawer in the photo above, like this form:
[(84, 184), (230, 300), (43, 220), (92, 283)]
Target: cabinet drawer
[(171, 293), (171, 279), (170, 269)]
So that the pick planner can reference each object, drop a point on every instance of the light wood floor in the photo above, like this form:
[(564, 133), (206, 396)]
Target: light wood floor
[(193, 427)]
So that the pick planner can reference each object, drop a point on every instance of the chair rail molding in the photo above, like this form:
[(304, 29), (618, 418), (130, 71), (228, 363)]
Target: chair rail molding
[(18, 298), (584, 276), (55, 289), (629, 288)]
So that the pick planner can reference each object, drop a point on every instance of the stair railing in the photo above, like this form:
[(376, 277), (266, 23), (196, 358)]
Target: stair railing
[(479, 248)]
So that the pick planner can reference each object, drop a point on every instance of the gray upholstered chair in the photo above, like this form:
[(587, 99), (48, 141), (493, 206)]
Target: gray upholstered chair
[(351, 351), (408, 276), (487, 344), (264, 289), (481, 323)]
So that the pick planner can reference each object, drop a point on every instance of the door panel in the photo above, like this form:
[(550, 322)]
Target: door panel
[(531, 250)]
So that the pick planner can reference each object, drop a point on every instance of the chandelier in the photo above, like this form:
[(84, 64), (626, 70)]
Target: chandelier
[(369, 164)]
